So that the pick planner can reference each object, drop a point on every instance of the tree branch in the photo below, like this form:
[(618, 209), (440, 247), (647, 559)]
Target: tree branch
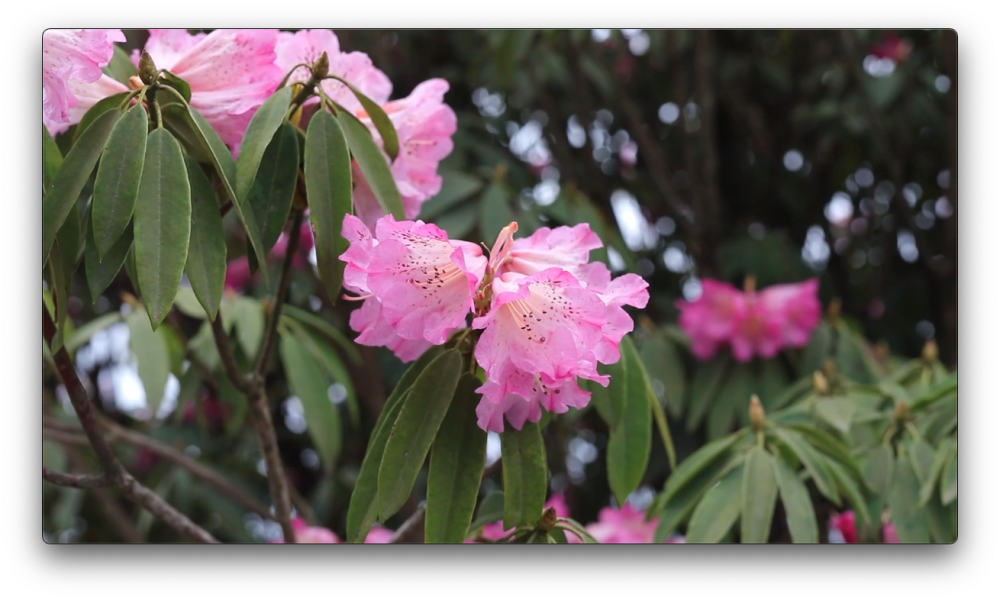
[(113, 469), (274, 316), (83, 482), (240, 382), (408, 526)]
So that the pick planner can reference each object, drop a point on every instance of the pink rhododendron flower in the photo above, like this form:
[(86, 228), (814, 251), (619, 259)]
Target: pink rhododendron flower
[(623, 525), (379, 535), (496, 531), (72, 59), (843, 529), (752, 323), (424, 125), (417, 283), (892, 47), (889, 534), (307, 45), (305, 534)]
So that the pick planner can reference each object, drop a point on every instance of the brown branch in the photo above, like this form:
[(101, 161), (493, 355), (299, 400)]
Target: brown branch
[(409, 526), (277, 483), (113, 469), (270, 333), (83, 482), (242, 383)]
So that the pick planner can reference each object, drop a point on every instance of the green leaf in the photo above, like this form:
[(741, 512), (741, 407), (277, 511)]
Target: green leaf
[(178, 84), (937, 467), (878, 470), (328, 188), (120, 67), (307, 381), (100, 273), (799, 511), (490, 510), (674, 511), (921, 458), (323, 354), (326, 329), (72, 176), (372, 163), (456, 468), (836, 411), (629, 442), (248, 315), (695, 464), (96, 111), (829, 445), (495, 212), (206, 256), (819, 349), (363, 509), (455, 187), (222, 160), (260, 131), (718, 510), (162, 223), (274, 187), (771, 382), (906, 514), (732, 402), (708, 378), (152, 357), (814, 463), (949, 477), (664, 364), (118, 176), (51, 160), (760, 492), (82, 335), (414, 430), (849, 486), (525, 475), (384, 126)]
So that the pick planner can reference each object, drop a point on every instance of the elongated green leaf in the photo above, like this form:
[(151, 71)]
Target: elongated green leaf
[(363, 509), (308, 383), (51, 160), (665, 366), (718, 510), (525, 475), (96, 111), (921, 458), (708, 379), (72, 176), (929, 484), (456, 468), (100, 273), (911, 526), (328, 187), (813, 461), (828, 445), (760, 492), (680, 505), (495, 212), (248, 316), (178, 84), (837, 411), (222, 160), (152, 357), (118, 175), (206, 257), (799, 512), (729, 407), (849, 486), (326, 329), (629, 442), (414, 431), (690, 468), (323, 354), (162, 223), (274, 188), (949, 478), (262, 127), (819, 349), (490, 510), (120, 67), (384, 126), (878, 470), (373, 164)]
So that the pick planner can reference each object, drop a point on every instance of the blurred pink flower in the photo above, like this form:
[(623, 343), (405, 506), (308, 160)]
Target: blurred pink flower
[(379, 535), (889, 534), (892, 47), (623, 525), (710, 321), (72, 60), (496, 531), (305, 534), (798, 305), (844, 525)]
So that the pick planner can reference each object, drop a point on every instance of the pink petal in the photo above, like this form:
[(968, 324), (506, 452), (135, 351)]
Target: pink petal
[(68, 56)]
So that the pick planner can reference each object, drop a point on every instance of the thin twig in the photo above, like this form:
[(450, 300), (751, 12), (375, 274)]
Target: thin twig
[(113, 469), (270, 333), (260, 420), (83, 482), (239, 381), (408, 526)]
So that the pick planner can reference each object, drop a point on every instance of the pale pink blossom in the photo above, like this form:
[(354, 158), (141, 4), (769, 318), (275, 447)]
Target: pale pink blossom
[(623, 525), (424, 125), (305, 534), (799, 308), (495, 531), (379, 535), (889, 535), (307, 45), (757, 330), (71, 59), (711, 319), (417, 284)]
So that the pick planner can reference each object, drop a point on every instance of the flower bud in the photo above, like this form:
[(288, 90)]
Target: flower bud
[(147, 68), (930, 351), (757, 417), (820, 384), (548, 520), (321, 68), (902, 411)]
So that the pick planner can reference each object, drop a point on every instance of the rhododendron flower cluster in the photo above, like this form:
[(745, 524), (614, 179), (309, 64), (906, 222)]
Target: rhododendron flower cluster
[(306, 534), (624, 525), (231, 72), (842, 529), (752, 323), (547, 315)]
